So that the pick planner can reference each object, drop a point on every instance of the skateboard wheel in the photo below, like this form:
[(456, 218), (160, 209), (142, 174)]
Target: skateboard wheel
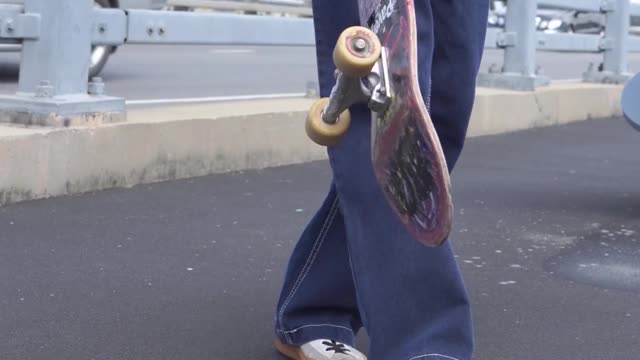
[(357, 51), (323, 133)]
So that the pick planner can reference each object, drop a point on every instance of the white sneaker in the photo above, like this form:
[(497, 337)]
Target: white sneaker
[(322, 349)]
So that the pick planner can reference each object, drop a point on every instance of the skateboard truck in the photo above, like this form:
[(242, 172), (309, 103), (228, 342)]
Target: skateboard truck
[(361, 76), (379, 88)]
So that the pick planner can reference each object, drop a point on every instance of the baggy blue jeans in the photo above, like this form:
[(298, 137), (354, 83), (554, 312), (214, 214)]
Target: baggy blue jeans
[(354, 265)]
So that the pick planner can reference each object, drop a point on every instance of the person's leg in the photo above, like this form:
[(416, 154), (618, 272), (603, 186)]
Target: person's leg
[(460, 28), (412, 298), (318, 299)]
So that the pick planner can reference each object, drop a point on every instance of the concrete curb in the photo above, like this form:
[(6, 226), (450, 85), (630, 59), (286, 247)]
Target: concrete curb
[(159, 144), (501, 111)]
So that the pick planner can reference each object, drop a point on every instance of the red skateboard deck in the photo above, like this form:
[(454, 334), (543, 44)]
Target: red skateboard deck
[(377, 63), (406, 152)]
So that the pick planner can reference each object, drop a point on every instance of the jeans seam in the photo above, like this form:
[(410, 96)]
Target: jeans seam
[(316, 325), (428, 102), (434, 355), (363, 317), (312, 256)]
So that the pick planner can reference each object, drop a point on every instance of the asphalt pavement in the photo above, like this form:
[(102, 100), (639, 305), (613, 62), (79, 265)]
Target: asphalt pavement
[(547, 234), (156, 72)]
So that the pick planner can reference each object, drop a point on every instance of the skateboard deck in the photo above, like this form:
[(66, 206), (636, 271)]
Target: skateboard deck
[(631, 102), (406, 153)]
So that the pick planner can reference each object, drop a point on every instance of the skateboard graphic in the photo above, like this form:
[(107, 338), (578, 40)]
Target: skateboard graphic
[(377, 64)]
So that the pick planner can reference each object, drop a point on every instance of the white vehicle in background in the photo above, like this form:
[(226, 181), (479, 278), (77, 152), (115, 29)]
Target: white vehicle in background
[(99, 54), (552, 20)]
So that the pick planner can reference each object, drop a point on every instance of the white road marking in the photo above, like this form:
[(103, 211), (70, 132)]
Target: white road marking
[(232, 51), (214, 99), (561, 81)]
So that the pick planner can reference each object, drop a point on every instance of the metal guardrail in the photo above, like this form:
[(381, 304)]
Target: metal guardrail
[(290, 8), (156, 27), (520, 40), (53, 86)]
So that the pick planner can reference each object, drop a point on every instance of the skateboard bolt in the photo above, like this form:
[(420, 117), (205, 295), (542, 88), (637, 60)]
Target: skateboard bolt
[(360, 45)]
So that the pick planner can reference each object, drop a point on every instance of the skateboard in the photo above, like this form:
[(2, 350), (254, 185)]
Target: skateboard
[(376, 63), (631, 102)]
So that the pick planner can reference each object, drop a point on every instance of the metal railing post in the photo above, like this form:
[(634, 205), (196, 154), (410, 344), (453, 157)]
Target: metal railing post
[(53, 84), (617, 30), (519, 43), (521, 22), (60, 56), (615, 44)]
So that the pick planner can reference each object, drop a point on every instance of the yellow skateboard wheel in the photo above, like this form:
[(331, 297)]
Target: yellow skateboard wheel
[(356, 51), (323, 133)]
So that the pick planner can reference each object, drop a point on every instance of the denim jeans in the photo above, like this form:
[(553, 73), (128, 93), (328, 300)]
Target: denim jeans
[(354, 265)]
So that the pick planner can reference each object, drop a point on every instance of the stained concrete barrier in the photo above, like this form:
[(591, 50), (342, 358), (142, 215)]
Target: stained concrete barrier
[(500, 111), (167, 143)]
